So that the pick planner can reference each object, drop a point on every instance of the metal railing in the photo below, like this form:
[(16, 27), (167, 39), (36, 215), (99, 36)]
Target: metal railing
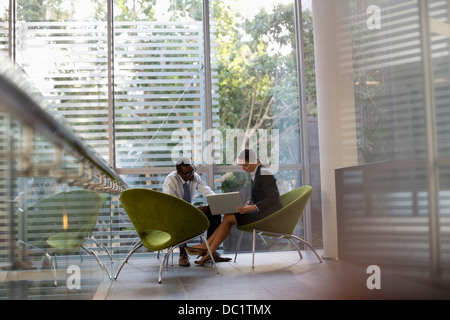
[(19, 98)]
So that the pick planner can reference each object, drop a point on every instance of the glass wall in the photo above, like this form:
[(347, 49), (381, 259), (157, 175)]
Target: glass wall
[(55, 201), (63, 48), (260, 101), (392, 208), (4, 23), (144, 82)]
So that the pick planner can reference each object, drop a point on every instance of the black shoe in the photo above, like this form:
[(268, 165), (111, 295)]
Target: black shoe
[(218, 258)]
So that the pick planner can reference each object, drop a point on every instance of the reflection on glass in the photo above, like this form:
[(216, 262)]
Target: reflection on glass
[(393, 207), (47, 222), (4, 18)]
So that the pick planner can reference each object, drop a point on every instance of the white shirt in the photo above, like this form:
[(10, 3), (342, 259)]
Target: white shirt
[(173, 185), (253, 174)]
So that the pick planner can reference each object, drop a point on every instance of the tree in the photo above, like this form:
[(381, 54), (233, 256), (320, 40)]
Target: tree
[(258, 79)]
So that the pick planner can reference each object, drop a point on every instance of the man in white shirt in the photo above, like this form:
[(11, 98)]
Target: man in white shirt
[(183, 183)]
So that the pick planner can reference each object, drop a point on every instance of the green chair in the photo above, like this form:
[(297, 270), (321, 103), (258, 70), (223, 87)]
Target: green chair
[(61, 223), (162, 222), (281, 224)]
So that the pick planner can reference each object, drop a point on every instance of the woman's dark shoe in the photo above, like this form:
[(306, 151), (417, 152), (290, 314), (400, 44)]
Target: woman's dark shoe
[(196, 251), (203, 260)]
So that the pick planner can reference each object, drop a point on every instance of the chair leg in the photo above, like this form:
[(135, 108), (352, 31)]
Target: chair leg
[(238, 245), (133, 250), (296, 247), (101, 264), (165, 262), (280, 235), (253, 248), (308, 245), (205, 240), (101, 245)]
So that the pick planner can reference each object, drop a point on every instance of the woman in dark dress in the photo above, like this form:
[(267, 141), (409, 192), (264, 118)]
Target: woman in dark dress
[(265, 201)]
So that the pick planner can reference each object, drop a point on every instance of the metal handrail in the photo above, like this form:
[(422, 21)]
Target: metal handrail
[(27, 104)]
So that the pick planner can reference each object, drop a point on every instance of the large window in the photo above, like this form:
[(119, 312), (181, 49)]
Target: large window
[(144, 82)]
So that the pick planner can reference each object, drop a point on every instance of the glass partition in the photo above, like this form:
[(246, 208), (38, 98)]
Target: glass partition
[(393, 206), (56, 201), (142, 82), (4, 22), (264, 101)]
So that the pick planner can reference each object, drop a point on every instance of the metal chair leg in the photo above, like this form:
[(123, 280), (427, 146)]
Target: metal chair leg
[(279, 235), (253, 248), (101, 264), (133, 250), (165, 262), (205, 240), (308, 245)]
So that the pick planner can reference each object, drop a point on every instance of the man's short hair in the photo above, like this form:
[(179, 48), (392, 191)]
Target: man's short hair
[(182, 162)]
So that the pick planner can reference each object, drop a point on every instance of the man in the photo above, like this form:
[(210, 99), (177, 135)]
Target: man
[(183, 183)]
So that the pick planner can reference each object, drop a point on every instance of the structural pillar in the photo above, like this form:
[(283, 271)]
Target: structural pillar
[(336, 108)]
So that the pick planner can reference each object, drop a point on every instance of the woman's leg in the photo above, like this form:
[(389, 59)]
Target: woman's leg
[(218, 237), (220, 234)]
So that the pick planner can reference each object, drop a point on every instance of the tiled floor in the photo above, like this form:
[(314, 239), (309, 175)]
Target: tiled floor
[(277, 276)]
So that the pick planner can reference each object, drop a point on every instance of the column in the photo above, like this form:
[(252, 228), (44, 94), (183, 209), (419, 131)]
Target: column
[(336, 108)]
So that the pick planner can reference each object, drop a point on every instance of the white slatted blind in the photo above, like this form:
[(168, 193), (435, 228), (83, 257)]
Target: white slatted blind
[(68, 63), (158, 88), (158, 84)]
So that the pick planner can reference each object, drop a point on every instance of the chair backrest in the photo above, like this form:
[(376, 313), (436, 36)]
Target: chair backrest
[(71, 212), (297, 194), (284, 220), (294, 203), (151, 210)]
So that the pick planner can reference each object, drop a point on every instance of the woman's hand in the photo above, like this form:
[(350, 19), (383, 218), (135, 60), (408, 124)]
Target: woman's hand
[(246, 209)]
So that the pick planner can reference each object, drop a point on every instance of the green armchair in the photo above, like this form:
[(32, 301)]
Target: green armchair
[(281, 224), (61, 223), (162, 222)]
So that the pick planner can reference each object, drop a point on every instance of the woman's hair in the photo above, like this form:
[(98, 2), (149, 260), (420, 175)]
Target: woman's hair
[(248, 155)]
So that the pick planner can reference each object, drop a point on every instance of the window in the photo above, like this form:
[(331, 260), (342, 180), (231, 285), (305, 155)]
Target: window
[(131, 78)]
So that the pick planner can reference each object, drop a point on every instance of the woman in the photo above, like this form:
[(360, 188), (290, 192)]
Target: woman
[(265, 201)]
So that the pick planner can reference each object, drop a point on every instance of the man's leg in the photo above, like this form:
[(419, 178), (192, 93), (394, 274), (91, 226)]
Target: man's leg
[(183, 260), (214, 221)]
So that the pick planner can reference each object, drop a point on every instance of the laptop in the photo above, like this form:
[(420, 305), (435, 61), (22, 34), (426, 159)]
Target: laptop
[(224, 203)]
